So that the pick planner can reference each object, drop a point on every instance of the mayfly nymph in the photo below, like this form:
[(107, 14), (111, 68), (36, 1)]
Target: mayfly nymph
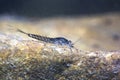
[(57, 40)]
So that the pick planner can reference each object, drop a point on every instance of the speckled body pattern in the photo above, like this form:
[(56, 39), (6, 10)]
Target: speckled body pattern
[(58, 40)]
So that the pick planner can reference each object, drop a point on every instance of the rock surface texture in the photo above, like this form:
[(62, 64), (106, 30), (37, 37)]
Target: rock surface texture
[(31, 60)]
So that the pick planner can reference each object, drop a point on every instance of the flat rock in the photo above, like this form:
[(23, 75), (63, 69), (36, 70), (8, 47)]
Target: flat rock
[(23, 59)]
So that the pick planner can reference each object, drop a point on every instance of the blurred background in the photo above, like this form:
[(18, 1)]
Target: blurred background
[(95, 23), (53, 8)]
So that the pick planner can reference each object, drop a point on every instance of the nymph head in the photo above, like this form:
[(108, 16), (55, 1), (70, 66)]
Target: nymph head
[(70, 43), (63, 41)]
